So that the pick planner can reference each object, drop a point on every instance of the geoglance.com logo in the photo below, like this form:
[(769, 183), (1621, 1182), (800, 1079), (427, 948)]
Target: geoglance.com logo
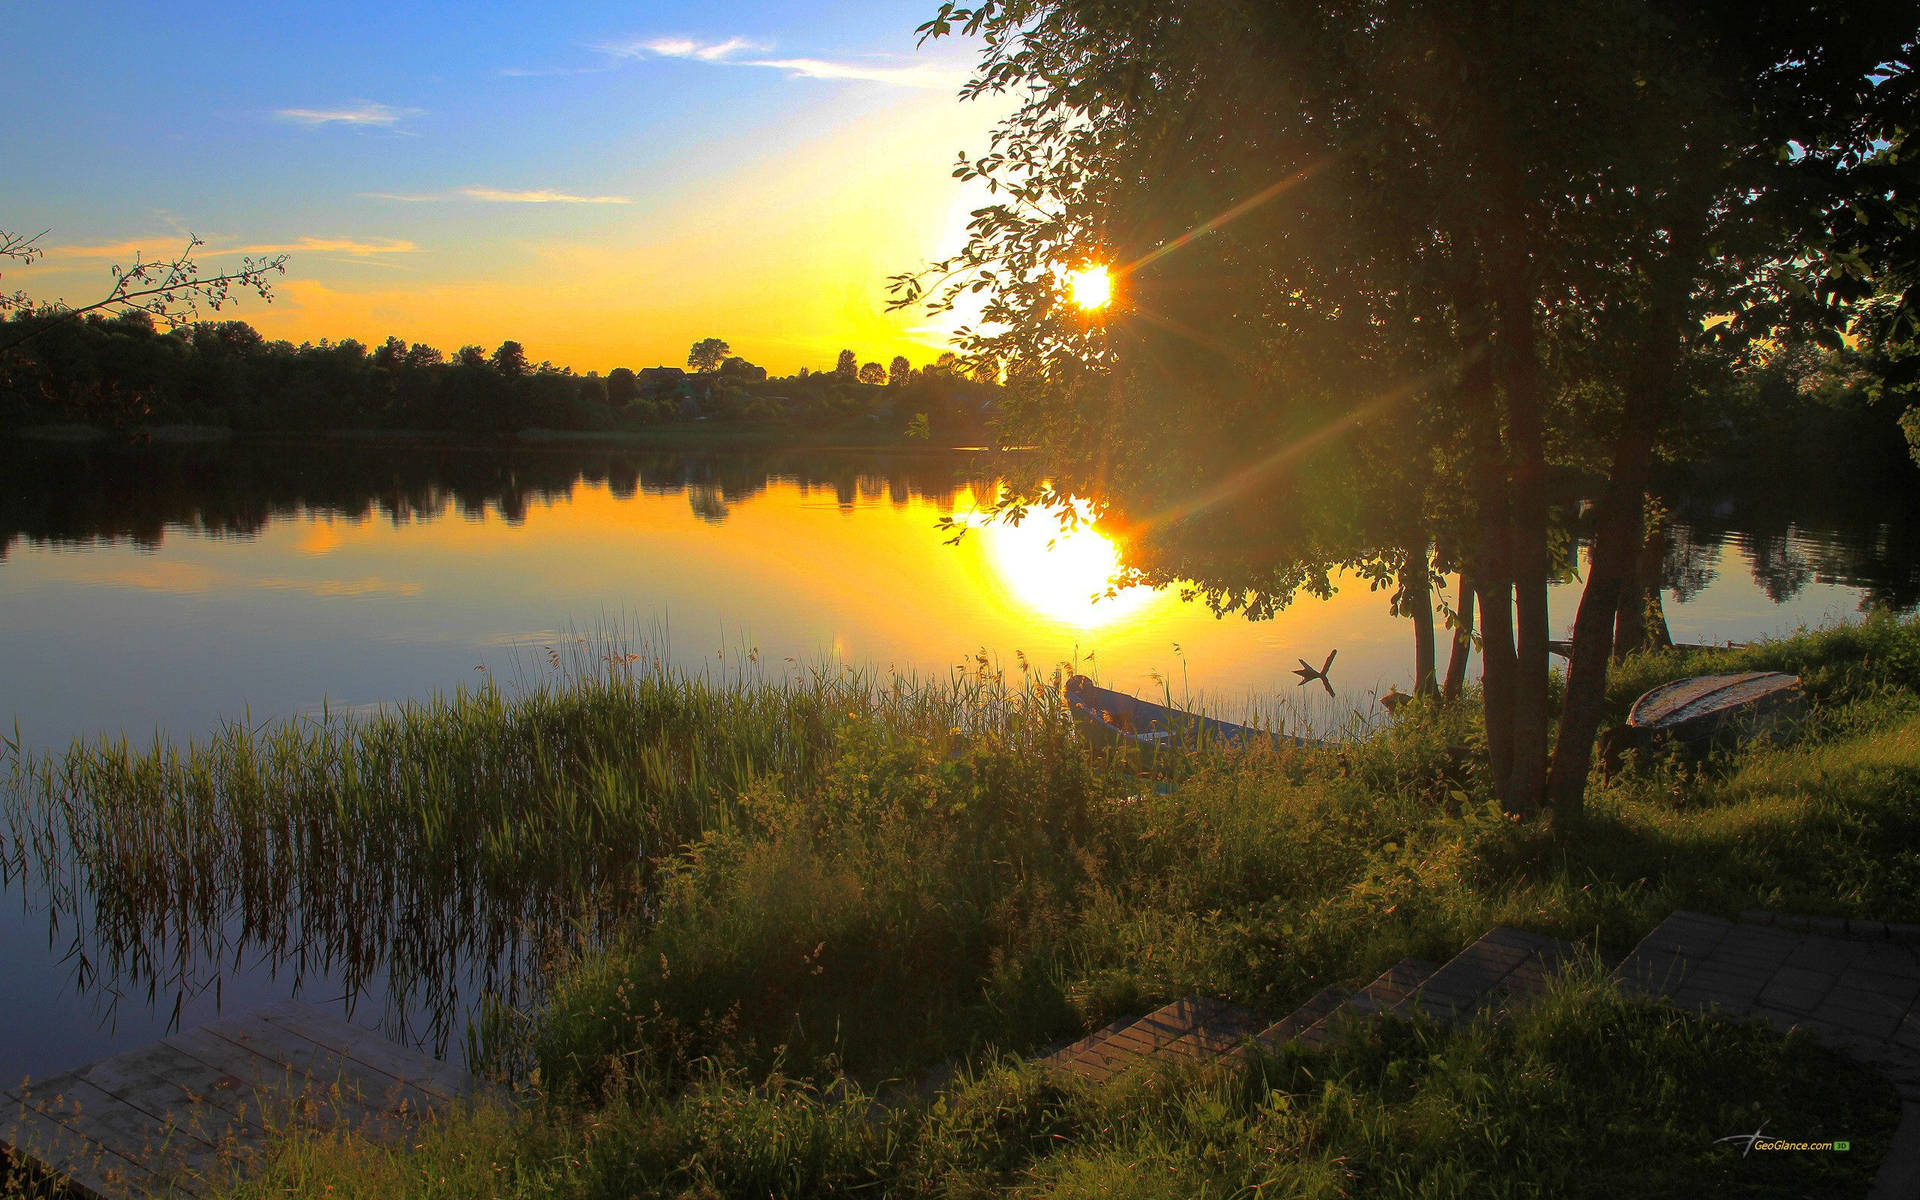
[(1758, 1140)]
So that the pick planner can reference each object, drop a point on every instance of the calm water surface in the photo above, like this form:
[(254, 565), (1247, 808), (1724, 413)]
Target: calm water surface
[(168, 589)]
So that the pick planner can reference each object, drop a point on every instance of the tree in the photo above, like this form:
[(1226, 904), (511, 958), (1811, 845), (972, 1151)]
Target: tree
[(391, 354), (1498, 238), (739, 370), (899, 372), (622, 387), (171, 292), (847, 366), (873, 373), (707, 354), (510, 360), (471, 356)]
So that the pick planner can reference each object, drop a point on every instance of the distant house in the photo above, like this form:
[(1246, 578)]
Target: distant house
[(660, 379)]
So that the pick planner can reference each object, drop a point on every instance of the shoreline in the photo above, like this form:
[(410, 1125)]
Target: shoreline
[(675, 436)]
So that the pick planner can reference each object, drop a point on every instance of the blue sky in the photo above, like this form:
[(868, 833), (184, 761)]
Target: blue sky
[(605, 183)]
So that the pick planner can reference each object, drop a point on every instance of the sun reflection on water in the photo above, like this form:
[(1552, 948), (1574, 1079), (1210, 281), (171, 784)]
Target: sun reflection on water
[(1062, 574)]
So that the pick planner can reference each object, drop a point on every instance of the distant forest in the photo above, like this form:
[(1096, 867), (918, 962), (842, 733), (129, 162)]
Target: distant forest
[(121, 371)]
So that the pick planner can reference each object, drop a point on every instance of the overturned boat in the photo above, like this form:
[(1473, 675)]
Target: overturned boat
[(1717, 710)]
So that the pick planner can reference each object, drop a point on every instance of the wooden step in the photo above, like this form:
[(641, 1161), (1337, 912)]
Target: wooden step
[(1503, 967), (1195, 1029), (1316, 1006), (1393, 985)]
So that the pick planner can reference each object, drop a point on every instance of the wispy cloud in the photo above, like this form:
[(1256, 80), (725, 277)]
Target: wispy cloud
[(674, 47), (537, 196), (151, 247), (493, 195), (365, 113), (919, 75), (730, 52)]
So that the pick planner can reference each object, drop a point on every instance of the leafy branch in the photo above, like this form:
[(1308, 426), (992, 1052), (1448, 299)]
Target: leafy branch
[(171, 291)]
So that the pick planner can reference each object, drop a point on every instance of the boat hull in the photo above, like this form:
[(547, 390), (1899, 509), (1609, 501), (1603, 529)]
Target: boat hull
[(1119, 719), (1708, 711)]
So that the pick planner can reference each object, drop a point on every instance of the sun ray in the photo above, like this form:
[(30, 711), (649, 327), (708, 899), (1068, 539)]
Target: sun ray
[(1239, 210)]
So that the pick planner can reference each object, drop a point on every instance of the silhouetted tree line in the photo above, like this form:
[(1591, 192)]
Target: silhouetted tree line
[(72, 494), (120, 370)]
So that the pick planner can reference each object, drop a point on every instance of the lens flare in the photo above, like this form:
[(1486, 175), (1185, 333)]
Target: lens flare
[(1092, 288)]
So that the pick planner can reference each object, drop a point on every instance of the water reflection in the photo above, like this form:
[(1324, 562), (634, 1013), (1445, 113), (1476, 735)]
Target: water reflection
[(67, 494), (1061, 569), (1852, 534), (420, 859), (172, 586), (1857, 536)]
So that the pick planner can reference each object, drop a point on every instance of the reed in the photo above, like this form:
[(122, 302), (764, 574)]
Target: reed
[(477, 835)]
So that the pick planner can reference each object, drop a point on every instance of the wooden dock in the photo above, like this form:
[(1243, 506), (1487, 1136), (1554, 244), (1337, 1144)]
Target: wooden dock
[(183, 1115)]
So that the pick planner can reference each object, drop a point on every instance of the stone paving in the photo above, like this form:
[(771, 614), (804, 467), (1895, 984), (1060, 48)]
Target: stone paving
[(1859, 994), (1852, 985), (1505, 966), (1394, 986)]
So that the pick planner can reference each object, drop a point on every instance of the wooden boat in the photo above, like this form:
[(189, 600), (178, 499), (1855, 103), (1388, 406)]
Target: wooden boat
[(1564, 646), (1117, 718), (1709, 710)]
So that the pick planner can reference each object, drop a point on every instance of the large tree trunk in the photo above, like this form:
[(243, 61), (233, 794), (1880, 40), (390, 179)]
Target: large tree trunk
[(1659, 636), (1496, 665), (1462, 641), (1620, 525), (1416, 597), (1493, 558), (1519, 367), (1610, 567), (1641, 621)]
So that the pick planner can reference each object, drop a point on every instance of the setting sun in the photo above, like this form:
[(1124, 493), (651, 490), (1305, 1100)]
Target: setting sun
[(1092, 288)]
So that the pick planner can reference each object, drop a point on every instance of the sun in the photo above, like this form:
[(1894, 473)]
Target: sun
[(1061, 574), (1092, 287)]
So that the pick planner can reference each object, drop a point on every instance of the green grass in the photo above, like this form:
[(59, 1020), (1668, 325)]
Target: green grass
[(1582, 1095), (764, 904)]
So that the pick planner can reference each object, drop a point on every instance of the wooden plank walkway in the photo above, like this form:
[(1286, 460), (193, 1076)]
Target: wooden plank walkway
[(183, 1115)]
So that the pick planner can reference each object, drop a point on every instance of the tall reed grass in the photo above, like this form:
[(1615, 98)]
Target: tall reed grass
[(474, 835)]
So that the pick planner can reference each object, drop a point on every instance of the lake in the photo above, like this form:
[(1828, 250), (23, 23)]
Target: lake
[(164, 590)]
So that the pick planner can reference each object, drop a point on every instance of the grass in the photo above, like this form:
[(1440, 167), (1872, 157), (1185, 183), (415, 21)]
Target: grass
[(1582, 1095), (760, 906)]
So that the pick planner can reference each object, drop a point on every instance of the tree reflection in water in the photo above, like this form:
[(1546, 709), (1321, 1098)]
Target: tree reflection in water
[(447, 855)]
